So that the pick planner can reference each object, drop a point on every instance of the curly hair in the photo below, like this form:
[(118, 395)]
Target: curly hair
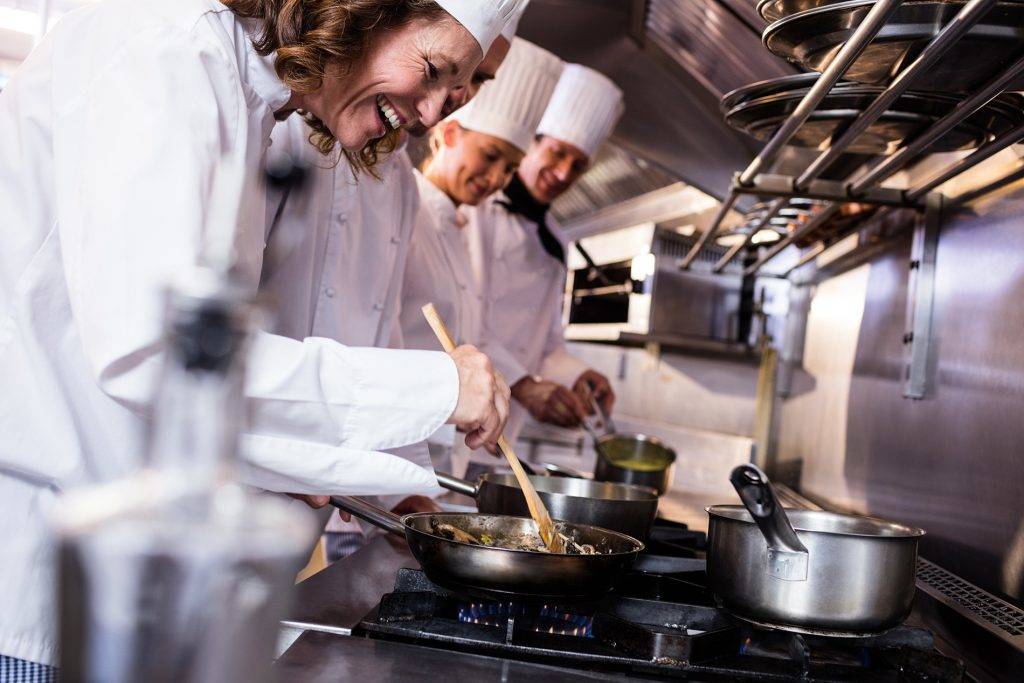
[(308, 35)]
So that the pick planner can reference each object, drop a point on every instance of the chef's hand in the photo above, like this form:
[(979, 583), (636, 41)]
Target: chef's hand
[(317, 502), (549, 402), (482, 408), (416, 504), (593, 382)]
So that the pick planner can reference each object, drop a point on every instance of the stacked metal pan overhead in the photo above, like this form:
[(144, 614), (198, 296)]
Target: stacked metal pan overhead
[(759, 109), (797, 213), (810, 32)]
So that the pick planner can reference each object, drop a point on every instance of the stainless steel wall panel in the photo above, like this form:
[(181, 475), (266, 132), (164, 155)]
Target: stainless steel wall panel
[(954, 462)]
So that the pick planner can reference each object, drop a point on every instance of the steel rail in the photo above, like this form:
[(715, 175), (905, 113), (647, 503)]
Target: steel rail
[(814, 253), (858, 42), (979, 155), (895, 163), (953, 31), (960, 113), (979, 192)]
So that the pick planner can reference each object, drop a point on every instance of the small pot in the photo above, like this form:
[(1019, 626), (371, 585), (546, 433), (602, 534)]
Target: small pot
[(807, 570), (634, 459)]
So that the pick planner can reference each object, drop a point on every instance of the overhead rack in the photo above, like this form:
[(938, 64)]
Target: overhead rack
[(866, 187)]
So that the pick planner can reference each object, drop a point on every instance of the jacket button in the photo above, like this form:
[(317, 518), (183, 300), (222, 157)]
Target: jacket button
[(329, 292), (379, 306), (395, 239)]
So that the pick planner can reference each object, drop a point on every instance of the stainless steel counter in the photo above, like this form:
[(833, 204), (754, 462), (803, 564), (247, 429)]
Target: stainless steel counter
[(322, 657), (335, 599)]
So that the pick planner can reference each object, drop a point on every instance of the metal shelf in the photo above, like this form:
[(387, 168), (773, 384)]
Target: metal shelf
[(867, 187)]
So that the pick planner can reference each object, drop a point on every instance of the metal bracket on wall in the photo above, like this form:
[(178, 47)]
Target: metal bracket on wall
[(917, 340)]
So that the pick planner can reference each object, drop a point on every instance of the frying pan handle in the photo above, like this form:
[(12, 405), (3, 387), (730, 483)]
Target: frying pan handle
[(527, 467), (559, 471), (379, 517), (458, 485), (787, 556)]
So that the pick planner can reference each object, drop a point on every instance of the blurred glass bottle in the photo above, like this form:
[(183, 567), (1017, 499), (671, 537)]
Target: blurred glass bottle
[(178, 573)]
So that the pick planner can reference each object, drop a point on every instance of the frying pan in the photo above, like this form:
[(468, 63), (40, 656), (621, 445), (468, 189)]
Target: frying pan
[(499, 572), (625, 508), (758, 109), (812, 37)]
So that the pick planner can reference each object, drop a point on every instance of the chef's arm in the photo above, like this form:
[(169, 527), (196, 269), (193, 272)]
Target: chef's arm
[(161, 178), (562, 367), (558, 365)]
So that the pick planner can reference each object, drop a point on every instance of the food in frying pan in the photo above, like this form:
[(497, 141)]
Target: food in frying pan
[(528, 542)]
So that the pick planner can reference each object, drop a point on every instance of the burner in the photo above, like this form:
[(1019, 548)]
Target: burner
[(539, 619), (650, 625)]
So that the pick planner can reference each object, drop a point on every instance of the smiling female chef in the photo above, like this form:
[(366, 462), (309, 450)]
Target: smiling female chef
[(346, 237), (523, 263), (475, 153), (132, 141)]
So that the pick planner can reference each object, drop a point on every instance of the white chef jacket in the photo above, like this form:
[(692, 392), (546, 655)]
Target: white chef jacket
[(523, 289), (439, 270), (132, 123), (344, 241)]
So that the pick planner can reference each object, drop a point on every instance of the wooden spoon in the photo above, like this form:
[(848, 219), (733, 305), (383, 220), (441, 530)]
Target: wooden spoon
[(540, 515)]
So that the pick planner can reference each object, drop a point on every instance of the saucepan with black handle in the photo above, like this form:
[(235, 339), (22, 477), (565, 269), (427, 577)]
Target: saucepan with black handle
[(808, 570)]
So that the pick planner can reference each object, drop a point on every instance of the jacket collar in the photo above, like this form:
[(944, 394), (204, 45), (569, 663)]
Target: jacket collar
[(262, 76), (438, 203)]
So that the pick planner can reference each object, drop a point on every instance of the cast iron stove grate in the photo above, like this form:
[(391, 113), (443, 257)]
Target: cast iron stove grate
[(652, 625)]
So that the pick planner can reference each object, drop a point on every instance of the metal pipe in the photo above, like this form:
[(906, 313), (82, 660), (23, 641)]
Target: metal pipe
[(712, 230), (960, 112), (826, 214), (979, 155), (957, 27), (865, 33), (773, 210), (806, 258), (903, 157), (979, 192), (837, 68)]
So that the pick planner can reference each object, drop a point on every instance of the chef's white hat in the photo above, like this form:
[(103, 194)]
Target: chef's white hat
[(512, 25), (483, 18), (583, 110), (511, 106)]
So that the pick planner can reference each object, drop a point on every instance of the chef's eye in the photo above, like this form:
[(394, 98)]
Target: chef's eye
[(432, 73)]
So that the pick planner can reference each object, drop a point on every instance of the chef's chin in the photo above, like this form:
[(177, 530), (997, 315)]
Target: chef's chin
[(417, 130)]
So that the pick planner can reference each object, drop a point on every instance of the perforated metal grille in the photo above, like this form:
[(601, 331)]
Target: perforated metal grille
[(986, 607), (679, 246)]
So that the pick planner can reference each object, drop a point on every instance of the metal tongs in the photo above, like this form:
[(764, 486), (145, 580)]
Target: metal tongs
[(606, 423)]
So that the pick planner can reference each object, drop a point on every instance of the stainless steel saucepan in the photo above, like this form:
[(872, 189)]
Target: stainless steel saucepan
[(499, 571), (806, 570), (620, 507), (627, 458)]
